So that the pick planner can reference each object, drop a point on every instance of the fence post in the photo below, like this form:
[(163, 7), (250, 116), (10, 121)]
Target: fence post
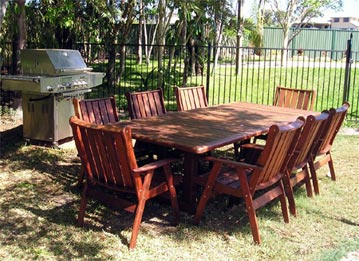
[(348, 62), (208, 69)]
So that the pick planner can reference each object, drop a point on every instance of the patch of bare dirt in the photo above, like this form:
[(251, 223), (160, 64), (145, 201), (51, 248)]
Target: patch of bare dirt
[(8, 122)]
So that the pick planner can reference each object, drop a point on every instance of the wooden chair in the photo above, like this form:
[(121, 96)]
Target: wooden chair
[(240, 179), (297, 170), (290, 98), (111, 165), (98, 111), (189, 98), (322, 153), (294, 98), (145, 104)]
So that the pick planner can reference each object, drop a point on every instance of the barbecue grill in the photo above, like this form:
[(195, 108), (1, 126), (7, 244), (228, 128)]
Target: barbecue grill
[(50, 79)]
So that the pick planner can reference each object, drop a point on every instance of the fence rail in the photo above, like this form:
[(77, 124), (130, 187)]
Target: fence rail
[(251, 79)]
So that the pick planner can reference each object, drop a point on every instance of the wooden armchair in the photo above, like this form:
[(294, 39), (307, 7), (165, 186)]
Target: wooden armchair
[(297, 170), (189, 98), (294, 98), (240, 179), (303, 99), (322, 152), (145, 104), (98, 111), (111, 165)]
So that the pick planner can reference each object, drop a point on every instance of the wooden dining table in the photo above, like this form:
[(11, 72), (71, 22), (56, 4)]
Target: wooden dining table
[(196, 132)]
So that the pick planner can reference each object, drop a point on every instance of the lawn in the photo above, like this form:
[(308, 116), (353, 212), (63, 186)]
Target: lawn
[(39, 204)]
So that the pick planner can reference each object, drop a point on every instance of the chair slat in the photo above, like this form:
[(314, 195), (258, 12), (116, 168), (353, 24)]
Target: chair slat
[(189, 98), (145, 104), (294, 98)]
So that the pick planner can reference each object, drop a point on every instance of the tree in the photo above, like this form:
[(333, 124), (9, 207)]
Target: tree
[(3, 5), (296, 14)]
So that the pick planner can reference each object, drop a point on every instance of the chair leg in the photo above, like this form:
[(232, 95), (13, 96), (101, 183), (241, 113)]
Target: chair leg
[(331, 166), (172, 191), (283, 204), (80, 178), (138, 218), (237, 153), (80, 218), (314, 176), (207, 192), (250, 208), (140, 208), (308, 186), (290, 194)]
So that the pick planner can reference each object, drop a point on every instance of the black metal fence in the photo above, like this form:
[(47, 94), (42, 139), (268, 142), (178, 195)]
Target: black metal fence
[(228, 73)]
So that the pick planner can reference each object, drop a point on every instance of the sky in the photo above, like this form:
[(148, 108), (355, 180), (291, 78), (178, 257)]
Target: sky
[(350, 8)]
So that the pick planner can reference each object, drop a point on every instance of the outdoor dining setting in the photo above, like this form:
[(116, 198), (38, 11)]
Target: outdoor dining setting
[(296, 138), (179, 130)]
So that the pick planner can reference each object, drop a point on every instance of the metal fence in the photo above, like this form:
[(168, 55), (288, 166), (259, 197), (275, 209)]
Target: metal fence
[(228, 73)]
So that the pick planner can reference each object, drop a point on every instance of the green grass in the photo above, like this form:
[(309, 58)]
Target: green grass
[(39, 204)]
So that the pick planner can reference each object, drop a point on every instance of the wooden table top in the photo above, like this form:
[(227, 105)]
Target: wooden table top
[(202, 130)]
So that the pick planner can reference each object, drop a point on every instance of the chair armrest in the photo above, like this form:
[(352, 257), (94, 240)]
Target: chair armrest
[(252, 146), (154, 165), (233, 163)]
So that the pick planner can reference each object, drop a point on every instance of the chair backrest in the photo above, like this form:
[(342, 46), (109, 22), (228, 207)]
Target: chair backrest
[(310, 135), (335, 121), (107, 153), (98, 111), (275, 156), (189, 98), (145, 104), (294, 98)]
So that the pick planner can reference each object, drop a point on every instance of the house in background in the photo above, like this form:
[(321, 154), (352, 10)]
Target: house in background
[(345, 23)]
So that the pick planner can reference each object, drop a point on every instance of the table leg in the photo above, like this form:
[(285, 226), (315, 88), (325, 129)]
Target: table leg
[(190, 168)]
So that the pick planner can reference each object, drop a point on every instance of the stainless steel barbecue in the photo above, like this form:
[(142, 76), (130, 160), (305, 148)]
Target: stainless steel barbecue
[(50, 79)]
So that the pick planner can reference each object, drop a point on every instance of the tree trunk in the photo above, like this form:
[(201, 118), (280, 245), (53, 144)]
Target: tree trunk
[(20, 37), (140, 33), (161, 40), (284, 53)]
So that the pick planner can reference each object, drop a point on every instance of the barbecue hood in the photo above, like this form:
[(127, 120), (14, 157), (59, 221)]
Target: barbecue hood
[(52, 62)]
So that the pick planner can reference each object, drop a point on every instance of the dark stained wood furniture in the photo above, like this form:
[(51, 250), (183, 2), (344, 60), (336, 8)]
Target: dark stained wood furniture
[(297, 170), (298, 166), (294, 98), (98, 111), (189, 98), (196, 132), (258, 183), (322, 153), (111, 164), (145, 104), (303, 99)]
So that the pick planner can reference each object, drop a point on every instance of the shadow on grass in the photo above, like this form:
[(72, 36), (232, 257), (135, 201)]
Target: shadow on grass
[(41, 198), (41, 202)]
